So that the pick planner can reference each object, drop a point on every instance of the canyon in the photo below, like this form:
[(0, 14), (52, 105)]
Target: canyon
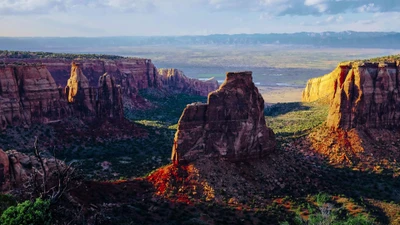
[(32, 89), (232, 160)]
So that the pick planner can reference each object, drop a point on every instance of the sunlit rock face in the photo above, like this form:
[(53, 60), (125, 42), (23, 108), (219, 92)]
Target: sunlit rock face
[(79, 93), (176, 81), (103, 101), (366, 96), (360, 94), (230, 126), (323, 88)]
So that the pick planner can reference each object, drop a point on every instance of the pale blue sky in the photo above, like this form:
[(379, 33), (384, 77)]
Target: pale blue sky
[(193, 17)]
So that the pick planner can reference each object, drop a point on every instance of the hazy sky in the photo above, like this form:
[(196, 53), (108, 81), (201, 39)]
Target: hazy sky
[(193, 17)]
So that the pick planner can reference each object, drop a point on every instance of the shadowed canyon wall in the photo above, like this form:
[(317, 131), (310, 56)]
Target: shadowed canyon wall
[(132, 74), (29, 94)]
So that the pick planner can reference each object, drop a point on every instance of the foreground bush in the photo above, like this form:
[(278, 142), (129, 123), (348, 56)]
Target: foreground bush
[(28, 213)]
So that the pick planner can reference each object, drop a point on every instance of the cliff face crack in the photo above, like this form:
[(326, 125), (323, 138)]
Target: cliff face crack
[(230, 126)]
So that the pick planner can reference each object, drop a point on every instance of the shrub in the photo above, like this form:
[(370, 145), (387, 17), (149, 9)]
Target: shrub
[(6, 201), (28, 213)]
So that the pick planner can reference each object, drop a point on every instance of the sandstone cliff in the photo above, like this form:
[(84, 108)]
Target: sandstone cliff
[(360, 94), (366, 96), (176, 81), (132, 74), (79, 93), (231, 125), (322, 88), (102, 101), (28, 94)]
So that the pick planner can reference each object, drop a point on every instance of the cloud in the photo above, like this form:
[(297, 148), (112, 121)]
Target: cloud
[(307, 7), (265, 7), (330, 20), (12, 7)]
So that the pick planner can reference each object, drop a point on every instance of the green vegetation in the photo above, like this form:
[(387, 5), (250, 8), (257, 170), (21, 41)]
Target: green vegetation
[(295, 119), (6, 201), (28, 213), (322, 209), (389, 58), (167, 111)]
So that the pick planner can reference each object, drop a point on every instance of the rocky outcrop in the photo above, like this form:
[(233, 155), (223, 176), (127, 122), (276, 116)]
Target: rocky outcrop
[(176, 81), (103, 101), (16, 169), (28, 94), (322, 88), (231, 125), (79, 93), (132, 74), (109, 98), (366, 96)]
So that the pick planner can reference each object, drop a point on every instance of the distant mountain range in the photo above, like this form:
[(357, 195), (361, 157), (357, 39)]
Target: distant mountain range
[(325, 39)]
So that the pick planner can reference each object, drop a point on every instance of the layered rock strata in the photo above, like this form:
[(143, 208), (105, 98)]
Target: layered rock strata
[(132, 74), (231, 125), (103, 101), (28, 94), (135, 72), (175, 80), (323, 88), (366, 96)]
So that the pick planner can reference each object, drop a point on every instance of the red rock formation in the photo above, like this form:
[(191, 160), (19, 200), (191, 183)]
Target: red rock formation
[(79, 93), (109, 98), (16, 169), (129, 72), (361, 94), (104, 101), (175, 80), (132, 74), (29, 94), (367, 96), (4, 171), (231, 125)]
